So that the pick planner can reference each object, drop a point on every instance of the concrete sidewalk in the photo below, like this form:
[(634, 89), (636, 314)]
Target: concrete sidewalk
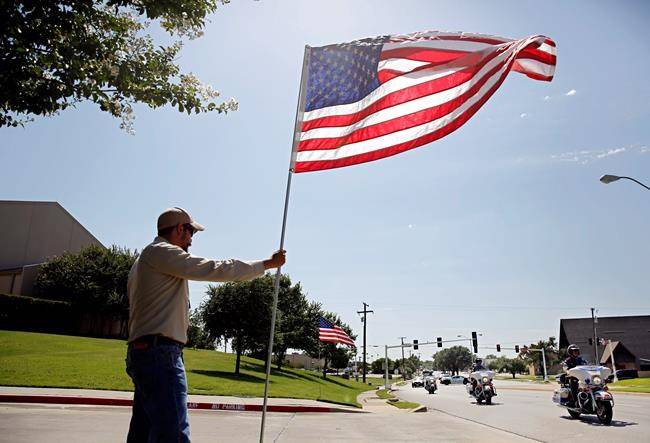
[(11, 394)]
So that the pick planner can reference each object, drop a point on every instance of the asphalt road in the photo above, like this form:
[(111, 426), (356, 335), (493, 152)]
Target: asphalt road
[(515, 416), (532, 414)]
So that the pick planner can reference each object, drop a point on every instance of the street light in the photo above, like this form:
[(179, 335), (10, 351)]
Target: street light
[(607, 179)]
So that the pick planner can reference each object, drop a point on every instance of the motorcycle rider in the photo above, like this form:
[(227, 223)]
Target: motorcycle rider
[(571, 362), (477, 366)]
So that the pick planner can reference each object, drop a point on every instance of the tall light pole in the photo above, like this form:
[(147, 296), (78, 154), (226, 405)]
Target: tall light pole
[(607, 179), (364, 319)]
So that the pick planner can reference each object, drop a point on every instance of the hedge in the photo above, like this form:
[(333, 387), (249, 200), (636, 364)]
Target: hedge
[(36, 314)]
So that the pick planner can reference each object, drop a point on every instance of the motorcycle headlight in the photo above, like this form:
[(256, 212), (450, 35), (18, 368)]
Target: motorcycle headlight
[(597, 380), (485, 379)]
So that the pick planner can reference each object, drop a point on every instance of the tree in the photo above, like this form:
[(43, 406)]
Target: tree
[(377, 366), (93, 280), (490, 356), (408, 366), (454, 359), (197, 336), (513, 366), (551, 351), (242, 312), (239, 311), (55, 54)]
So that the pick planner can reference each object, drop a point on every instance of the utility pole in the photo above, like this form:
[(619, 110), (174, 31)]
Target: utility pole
[(402, 369), (365, 322), (593, 323)]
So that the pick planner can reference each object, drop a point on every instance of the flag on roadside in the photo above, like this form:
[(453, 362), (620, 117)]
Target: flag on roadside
[(330, 333), (377, 97)]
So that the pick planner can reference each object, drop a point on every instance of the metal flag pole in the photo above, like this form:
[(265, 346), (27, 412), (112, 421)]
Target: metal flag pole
[(300, 109)]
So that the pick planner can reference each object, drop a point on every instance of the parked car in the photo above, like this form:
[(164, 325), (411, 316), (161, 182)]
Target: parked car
[(417, 382), (626, 374), (445, 379), (458, 379)]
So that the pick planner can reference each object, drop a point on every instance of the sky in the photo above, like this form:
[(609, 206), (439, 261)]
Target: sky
[(501, 227)]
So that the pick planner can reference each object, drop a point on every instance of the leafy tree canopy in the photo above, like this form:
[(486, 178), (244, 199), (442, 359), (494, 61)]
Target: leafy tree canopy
[(55, 54), (454, 359), (94, 279)]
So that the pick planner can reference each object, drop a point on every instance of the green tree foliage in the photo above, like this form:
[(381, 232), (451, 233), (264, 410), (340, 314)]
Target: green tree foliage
[(377, 366), (197, 336), (241, 312), (92, 280), (509, 365), (55, 54), (408, 366), (550, 347), (454, 359)]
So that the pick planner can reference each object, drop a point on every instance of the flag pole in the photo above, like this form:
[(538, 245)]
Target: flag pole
[(300, 109)]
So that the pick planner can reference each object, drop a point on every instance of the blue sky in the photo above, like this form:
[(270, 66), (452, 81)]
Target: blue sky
[(501, 227)]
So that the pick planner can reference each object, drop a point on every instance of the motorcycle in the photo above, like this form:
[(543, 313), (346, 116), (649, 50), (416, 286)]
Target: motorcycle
[(480, 386), (592, 394), (430, 384)]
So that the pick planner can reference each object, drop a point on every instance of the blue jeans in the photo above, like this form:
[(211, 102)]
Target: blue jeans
[(160, 398)]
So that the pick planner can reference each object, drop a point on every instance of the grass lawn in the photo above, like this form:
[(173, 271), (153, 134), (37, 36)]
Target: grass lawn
[(61, 361), (404, 404), (384, 394), (633, 385)]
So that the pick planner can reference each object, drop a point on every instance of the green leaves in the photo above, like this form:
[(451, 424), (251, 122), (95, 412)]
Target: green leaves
[(56, 54)]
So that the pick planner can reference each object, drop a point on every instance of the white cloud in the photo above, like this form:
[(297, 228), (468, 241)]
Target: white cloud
[(571, 92), (410, 226), (547, 98), (523, 115), (585, 156)]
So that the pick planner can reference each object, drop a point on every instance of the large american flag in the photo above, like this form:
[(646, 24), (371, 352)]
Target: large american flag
[(377, 97), (330, 333)]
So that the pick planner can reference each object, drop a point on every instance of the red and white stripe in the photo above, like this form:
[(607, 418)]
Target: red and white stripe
[(335, 335), (431, 84)]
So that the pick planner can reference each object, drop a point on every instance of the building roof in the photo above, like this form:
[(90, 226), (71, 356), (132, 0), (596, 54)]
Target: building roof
[(632, 331), (32, 231)]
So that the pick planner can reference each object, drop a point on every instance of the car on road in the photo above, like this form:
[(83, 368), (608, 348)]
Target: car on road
[(445, 379), (458, 379), (417, 382)]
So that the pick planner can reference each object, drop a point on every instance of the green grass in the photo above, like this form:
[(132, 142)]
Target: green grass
[(633, 385), (384, 394), (394, 401), (60, 361), (404, 404)]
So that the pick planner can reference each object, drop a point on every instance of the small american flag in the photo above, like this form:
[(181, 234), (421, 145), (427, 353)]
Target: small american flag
[(330, 333), (377, 97)]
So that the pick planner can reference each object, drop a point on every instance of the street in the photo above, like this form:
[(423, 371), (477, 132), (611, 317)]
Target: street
[(516, 415), (532, 414)]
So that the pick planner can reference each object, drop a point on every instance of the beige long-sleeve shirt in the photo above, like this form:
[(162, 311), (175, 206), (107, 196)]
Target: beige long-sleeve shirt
[(159, 292)]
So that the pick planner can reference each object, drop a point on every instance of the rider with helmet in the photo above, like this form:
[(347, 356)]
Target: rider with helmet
[(571, 362), (477, 366)]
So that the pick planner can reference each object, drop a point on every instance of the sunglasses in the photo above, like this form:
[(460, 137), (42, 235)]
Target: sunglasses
[(188, 227)]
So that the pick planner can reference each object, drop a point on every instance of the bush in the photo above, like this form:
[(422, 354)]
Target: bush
[(35, 314)]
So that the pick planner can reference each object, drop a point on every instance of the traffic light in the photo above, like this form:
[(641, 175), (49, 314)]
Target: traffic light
[(591, 341), (475, 342), (415, 345), (498, 347), (517, 349), (439, 342)]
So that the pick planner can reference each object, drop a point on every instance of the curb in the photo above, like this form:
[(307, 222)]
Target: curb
[(99, 401)]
